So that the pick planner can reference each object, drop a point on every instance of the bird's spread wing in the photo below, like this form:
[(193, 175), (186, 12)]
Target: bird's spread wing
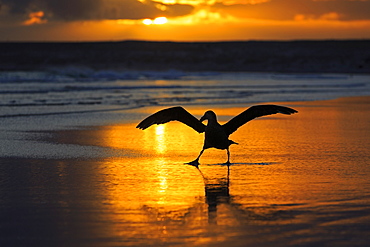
[(170, 114), (254, 112)]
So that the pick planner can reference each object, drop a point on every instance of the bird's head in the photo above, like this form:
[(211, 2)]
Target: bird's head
[(209, 115)]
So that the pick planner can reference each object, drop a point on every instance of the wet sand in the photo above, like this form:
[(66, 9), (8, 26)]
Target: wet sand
[(300, 180)]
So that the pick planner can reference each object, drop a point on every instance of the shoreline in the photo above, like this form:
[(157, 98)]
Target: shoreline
[(50, 143)]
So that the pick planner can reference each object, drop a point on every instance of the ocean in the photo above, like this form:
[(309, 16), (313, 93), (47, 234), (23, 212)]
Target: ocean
[(80, 91), (74, 170)]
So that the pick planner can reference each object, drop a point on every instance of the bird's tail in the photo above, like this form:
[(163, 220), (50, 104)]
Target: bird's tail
[(232, 142)]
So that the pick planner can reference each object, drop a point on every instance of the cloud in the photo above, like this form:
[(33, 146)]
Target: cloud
[(35, 18), (82, 10), (289, 9)]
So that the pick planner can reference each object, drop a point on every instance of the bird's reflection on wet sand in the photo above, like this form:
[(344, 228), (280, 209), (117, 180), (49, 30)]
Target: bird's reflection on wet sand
[(217, 193)]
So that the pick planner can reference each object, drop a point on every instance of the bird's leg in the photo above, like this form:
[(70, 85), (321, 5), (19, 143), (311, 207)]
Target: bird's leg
[(196, 161), (228, 157)]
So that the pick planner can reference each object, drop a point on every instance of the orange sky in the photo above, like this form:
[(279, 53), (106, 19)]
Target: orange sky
[(183, 20)]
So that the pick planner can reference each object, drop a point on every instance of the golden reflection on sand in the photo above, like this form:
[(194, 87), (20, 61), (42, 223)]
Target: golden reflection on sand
[(160, 139), (160, 197), (293, 180), (171, 139), (151, 199), (281, 163)]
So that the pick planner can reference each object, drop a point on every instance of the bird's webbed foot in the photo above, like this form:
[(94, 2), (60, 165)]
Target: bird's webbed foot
[(194, 163)]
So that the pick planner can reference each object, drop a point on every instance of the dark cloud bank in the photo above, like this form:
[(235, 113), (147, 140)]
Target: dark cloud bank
[(288, 9), (72, 10)]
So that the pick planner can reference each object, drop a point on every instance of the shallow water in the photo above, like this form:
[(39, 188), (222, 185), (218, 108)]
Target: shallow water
[(76, 91), (294, 180)]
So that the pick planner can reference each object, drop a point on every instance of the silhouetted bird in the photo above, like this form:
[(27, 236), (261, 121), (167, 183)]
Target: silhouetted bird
[(216, 135)]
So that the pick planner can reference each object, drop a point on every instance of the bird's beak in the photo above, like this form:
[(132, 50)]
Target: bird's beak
[(202, 118)]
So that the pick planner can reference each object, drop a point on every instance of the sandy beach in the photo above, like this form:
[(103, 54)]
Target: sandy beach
[(300, 180)]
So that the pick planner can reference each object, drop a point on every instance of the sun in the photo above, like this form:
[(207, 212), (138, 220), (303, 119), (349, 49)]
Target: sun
[(160, 20), (156, 21)]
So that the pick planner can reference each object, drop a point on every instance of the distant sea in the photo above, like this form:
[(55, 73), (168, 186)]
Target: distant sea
[(331, 56)]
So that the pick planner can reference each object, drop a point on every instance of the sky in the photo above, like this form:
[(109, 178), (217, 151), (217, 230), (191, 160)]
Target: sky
[(183, 20)]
